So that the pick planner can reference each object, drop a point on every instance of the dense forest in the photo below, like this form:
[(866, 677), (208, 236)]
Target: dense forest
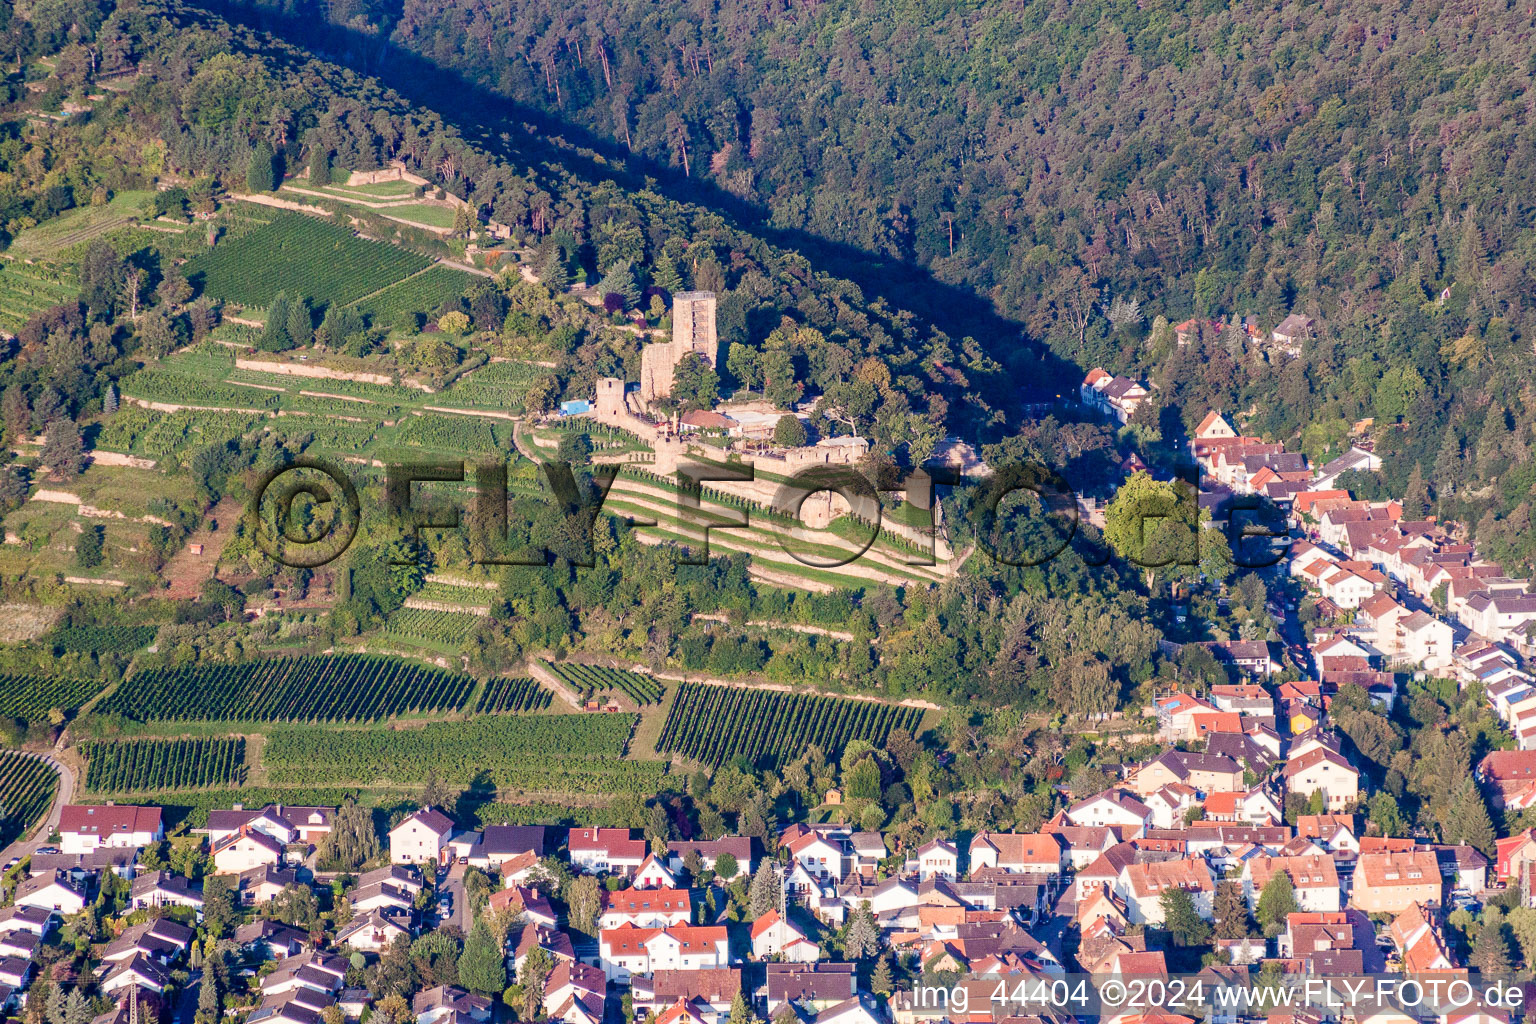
[(1083, 169)]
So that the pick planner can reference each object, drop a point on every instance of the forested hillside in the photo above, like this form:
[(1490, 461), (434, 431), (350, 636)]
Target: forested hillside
[(1369, 164)]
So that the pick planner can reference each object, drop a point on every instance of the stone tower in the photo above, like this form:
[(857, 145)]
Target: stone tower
[(693, 326), (693, 330)]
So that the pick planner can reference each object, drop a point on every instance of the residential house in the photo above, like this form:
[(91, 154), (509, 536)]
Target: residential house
[(450, 1004), (264, 884), (1388, 883), (1427, 641), (270, 940), (1421, 946), (55, 891), (1208, 773), (163, 889), (574, 993), (1145, 883), (938, 858), (824, 854), (374, 931), (1356, 459), (421, 838), (1113, 396), (86, 827), (1245, 807), (247, 849), (653, 873), (1314, 879), (1176, 715), (35, 919), (160, 939), (1113, 807), (626, 950), (136, 971), (710, 992), (774, 934), (1501, 616), (817, 986), (1322, 770), (1040, 852), (645, 908), (284, 823), (1334, 833), (1291, 332), (1247, 699), (606, 850), (1505, 773), (739, 847)]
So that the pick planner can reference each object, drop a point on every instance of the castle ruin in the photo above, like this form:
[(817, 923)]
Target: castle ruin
[(693, 331)]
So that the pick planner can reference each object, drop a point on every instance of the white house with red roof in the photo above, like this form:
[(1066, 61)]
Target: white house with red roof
[(824, 856), (1113, 807), (774, 934), (645, 908), (627, 950), (654, 874), (1112, 395), (1314, 879), (87, 827), (938, 858), (1019, 852), (681, 1012), (1144, 885), (612, 850), (1321, 770), (246, 850)]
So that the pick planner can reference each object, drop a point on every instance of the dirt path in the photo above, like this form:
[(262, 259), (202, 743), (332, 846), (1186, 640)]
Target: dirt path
[(746, 684), (796, 627), (559, 687), (188, 571)]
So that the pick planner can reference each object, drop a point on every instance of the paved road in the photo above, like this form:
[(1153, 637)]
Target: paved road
[(63, 794), (186, 1004), (452, 882)]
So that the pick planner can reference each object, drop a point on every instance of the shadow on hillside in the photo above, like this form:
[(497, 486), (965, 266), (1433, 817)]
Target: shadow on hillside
[(501, 126)]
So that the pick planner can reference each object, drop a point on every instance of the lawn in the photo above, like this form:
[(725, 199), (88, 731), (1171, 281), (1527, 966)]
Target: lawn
[(431, 216)]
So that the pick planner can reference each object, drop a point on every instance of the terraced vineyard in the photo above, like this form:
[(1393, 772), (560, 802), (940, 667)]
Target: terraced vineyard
[(301, 256), (104, 639), (383, 394), (325, 434), (504, 694), (499, 386), (431, 627), (143, 765), (155, 434), (590, 679), (332, 688), (27, 785), (172, 388), (32, 697), (27, 288), (423, 294), (564, 753), (716, 724), (454, 434)]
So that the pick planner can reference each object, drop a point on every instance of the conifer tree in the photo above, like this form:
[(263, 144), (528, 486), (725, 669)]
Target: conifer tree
[(319, 166), (300, 323), (274, 335), (261, 175)]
